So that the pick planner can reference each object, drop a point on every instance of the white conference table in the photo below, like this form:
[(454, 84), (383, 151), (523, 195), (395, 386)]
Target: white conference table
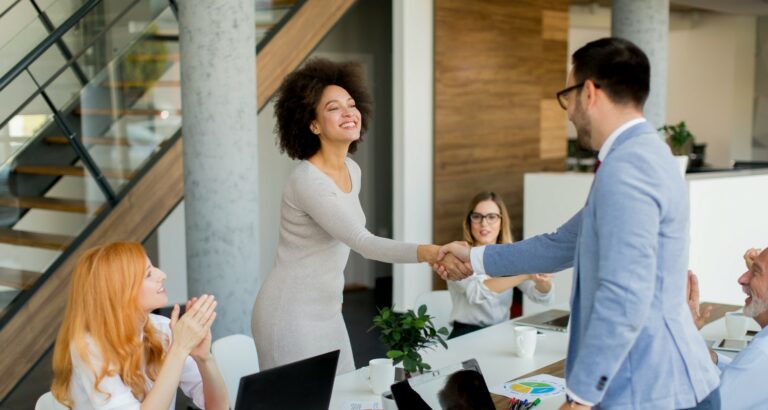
[(491, 347)]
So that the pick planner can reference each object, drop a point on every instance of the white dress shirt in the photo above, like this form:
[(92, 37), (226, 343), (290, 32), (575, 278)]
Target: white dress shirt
[(475, 304), (117, 395), (742, 383)]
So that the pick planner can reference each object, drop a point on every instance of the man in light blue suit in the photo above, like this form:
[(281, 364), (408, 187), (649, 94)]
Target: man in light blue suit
[(632, 343)]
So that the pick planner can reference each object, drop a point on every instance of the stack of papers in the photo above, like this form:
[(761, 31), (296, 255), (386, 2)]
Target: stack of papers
[(531, 388)]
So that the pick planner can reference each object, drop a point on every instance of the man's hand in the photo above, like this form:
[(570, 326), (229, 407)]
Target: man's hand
[(700, 318), (453, 261), (459, 249), (567, 406), (451, 268)]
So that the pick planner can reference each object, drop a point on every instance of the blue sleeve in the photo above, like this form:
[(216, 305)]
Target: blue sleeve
[(546, 253)]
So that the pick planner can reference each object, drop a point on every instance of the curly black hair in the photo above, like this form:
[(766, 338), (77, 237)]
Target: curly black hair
[(299, 96)]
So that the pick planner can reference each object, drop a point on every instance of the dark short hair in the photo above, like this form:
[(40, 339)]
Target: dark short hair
[(465, 390), (619, 67), (299, 96)]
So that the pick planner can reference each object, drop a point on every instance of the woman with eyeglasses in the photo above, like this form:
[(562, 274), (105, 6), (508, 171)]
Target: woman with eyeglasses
[(480, 300)]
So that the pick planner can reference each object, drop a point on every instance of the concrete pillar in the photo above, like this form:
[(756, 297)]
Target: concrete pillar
[(646, 23), (218, 83)]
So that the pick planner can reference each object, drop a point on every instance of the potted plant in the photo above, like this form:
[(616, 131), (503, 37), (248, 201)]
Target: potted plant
[(407, 333), (680, 141), (679, 138)]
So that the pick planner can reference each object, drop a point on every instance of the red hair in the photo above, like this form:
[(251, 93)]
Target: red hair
[(103, 307)]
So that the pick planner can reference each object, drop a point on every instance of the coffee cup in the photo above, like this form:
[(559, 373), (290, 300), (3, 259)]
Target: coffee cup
[(381, 375), (387, 401), (735, 325), (525, 341)]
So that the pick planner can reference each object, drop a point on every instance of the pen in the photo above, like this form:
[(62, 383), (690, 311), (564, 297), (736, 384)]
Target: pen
[(533, 404)]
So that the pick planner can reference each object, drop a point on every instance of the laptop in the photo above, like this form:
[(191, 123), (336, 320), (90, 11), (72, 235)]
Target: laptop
[(553, 319), (460, 386), (306, 384)]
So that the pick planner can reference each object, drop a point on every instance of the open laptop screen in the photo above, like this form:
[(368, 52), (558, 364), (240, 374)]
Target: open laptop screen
[(306, 384)]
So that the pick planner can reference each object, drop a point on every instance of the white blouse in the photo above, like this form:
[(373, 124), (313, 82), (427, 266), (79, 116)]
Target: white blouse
[(475, 304), (116, 394)]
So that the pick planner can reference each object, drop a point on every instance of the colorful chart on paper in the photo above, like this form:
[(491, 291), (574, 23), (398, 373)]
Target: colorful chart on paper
[(532, 388)]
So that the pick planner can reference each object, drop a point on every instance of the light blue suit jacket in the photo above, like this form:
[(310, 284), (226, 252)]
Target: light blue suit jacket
[(632, 341)]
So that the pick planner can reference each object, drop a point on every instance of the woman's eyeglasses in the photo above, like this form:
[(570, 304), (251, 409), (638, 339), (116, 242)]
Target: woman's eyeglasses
[(477, 218)]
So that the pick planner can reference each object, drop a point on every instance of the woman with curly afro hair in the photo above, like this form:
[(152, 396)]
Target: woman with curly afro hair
[(322, 111)]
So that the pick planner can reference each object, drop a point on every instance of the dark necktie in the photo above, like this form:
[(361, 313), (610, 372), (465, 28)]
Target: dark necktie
[(597, 164)]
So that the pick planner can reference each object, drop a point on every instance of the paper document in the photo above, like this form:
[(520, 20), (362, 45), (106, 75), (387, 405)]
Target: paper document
[(359, 405), (531, 388)]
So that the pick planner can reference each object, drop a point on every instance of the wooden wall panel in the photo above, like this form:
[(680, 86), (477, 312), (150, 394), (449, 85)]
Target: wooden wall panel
[(498, 64)]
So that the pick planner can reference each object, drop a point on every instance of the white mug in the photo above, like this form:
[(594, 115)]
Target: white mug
[(735, 325), (381, 375), (387, 401), (525, 341)]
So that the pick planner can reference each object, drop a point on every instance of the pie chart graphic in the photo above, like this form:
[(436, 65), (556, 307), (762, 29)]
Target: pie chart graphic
[(533, 388)]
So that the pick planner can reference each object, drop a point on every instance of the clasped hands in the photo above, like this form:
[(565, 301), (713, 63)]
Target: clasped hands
[(450, 261)]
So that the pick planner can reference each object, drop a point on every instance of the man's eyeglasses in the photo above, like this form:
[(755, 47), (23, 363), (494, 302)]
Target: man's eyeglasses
[(477, 218), (562, 95)]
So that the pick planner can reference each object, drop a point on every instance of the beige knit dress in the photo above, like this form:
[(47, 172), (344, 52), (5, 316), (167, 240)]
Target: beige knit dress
[(297, 313)]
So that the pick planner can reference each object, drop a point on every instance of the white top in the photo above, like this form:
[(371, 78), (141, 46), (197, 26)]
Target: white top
[(475, 304), (742, 384), (119, 395)]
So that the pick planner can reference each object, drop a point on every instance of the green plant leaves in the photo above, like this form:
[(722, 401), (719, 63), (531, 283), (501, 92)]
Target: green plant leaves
[(406, 334)]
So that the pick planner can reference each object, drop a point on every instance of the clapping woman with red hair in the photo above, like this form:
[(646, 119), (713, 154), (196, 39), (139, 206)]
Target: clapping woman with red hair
[(111, 352)]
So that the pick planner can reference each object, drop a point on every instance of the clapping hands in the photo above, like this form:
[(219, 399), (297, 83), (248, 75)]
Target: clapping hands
[(700, 317), (192, 332)]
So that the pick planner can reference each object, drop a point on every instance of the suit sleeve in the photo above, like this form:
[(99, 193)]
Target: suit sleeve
[(546, 253), (628, 214)]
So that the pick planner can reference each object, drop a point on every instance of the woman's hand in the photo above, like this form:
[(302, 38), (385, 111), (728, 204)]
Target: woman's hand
[(427, 253), (194, 327), (202, 351)]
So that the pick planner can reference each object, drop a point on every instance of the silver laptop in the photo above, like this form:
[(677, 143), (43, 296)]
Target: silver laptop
[(553, 319)]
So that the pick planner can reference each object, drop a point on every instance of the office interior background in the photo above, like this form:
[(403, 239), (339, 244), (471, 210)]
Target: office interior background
[(91, 142)]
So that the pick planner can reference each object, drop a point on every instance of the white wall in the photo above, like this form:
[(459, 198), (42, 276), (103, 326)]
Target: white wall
[(711, 75), (413, 40), (723, 224), (711, 84), (544, 210)]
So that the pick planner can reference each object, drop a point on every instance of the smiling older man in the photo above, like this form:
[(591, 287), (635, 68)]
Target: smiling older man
[(742, 379)]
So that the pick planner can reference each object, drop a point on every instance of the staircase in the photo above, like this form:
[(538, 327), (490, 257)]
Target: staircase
[(91, 139)]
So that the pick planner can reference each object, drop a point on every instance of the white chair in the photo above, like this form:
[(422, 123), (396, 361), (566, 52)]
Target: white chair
[(236, 356), (439, 306), (48, 402)]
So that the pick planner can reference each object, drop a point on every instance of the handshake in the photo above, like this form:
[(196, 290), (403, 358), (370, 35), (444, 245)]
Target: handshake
[(450, 261)]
